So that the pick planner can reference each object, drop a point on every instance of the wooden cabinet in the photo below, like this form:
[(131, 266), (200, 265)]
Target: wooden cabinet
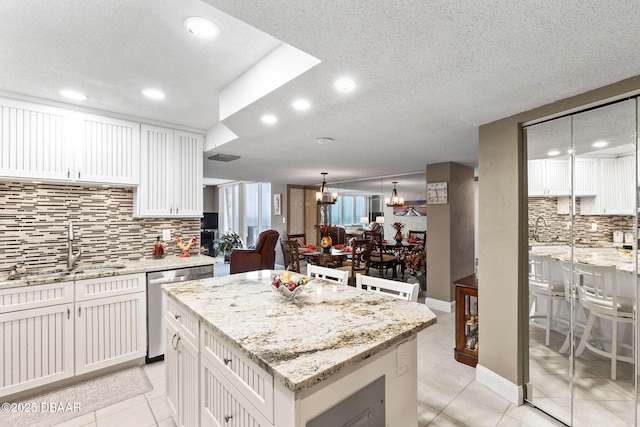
[(55, 144), (182, 368), (171, 174), (36, 336), (466, 350)]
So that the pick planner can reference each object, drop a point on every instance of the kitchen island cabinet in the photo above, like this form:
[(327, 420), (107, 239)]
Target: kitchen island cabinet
[(286, 363)]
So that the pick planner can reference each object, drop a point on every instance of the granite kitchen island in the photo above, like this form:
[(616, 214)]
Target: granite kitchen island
[(241, 354)]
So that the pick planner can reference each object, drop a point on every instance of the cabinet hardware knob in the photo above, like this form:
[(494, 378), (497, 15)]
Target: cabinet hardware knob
[(68, 313), (177, 316), (227, 418), (173, 343), (79, 311), (226, 361)]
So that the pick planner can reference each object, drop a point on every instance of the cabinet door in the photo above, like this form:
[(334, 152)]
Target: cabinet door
[(536, 177), (36, 347), (188, 383), (110, 331), (223, 405), (34, 140), (154, 196), (108, 150), (171, 368), (558, 177), (586, 177), (625, 185), (187, 168)]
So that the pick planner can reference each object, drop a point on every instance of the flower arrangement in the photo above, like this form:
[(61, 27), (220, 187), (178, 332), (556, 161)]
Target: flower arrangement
[(398, 226), (413, 261), (324, 229)]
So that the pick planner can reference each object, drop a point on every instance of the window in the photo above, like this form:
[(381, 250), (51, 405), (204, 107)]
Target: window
[(246, 209), (349, 209)]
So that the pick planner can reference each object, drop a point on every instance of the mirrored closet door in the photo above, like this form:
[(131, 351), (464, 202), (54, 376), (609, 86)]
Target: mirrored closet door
[(583, 273)]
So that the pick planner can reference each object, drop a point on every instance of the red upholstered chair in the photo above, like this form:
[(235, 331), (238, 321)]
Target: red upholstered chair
[(263, 257)]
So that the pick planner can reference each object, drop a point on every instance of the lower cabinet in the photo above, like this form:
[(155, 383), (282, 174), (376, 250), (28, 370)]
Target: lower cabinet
[(110, 331), (182, 369)]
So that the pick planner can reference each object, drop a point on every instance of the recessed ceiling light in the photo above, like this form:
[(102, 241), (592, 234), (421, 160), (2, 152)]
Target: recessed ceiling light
[(600, 144), (301, 104), (152, 93), (72, 94), (345, 84), (324, 141), (553, 153), (269, 119), (569, 151), (201, 27)]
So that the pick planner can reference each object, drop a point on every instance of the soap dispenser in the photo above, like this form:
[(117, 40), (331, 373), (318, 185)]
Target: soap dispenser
[(158, 249)]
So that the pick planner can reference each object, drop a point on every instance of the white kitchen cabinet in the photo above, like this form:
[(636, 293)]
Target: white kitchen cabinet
[(616, 188), (586, 177), (36, 336), (55, 144), (110, 331), (171, 174), (107, 150), (182, 369), (34, 141), (549, 177)]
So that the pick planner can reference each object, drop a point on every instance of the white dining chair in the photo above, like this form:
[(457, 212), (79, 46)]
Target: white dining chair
[(331, 274), (598, 293), (545, 283), (400, 290)]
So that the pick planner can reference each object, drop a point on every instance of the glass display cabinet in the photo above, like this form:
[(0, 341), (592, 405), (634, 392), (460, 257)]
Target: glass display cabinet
[(466, 350)]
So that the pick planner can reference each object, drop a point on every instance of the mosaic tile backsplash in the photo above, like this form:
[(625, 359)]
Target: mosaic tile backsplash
[(34, 221), (557, 231)]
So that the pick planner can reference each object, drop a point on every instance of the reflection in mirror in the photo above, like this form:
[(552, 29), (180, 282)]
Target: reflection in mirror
[(583, 274)]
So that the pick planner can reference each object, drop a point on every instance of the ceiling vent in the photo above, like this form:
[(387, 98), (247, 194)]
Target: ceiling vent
[(223, 157)]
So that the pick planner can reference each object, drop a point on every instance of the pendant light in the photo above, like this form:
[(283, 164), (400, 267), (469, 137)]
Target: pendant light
[(323, 197), (394, 200)]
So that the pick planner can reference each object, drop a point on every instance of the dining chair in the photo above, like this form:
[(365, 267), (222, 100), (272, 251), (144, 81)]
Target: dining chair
[(571, 293), (291, 255), (331, 274), (544, 284), (400, 290), (379, 258), (598, 292), (360, 259), (420, 236)]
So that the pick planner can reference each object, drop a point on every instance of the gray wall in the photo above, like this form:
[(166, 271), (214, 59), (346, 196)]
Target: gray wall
[(210, 200), (502, 246)]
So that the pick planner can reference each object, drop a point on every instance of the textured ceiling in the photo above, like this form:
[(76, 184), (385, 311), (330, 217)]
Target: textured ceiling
[(428, 72)]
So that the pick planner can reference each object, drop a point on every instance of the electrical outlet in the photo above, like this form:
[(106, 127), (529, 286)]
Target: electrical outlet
[(403, 358), (166, 234), (594, 226)]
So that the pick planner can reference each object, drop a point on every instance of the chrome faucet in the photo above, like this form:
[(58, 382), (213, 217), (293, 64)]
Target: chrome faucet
[(71, 258), (536, 233)]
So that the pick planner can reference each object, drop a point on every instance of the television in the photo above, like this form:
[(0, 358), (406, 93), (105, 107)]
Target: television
[(209, 221)]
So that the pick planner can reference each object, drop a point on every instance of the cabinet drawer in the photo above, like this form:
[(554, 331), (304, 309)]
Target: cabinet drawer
[(223, 405), (26, 297), (185, 322), (251, 380), (103, 287)]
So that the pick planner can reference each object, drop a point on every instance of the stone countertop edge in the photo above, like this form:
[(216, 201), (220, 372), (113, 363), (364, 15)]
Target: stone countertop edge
[(144, 265), (310, 380)]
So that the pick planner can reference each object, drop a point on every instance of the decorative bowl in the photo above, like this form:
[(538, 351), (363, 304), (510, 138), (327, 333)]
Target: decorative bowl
[(289, 289)]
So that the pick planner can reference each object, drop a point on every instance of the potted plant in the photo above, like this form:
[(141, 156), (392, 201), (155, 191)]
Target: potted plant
[(226, 243)]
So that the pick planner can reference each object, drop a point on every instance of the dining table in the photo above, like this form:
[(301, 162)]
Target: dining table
[(334, 258)]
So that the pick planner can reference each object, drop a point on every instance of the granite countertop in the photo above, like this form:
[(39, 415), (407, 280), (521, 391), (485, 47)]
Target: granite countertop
[(623, 263), (92, 271), (326, 329)]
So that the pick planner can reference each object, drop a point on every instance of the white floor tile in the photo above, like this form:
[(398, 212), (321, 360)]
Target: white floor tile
[(470, 412), (135, 416), (121, 406), (82, 420), (160, 408), (444, 421)]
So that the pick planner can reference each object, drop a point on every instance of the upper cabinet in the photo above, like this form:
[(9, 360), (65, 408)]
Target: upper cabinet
[(616, 188), (586, 177), (549, 177), (54, 144), (171, 175)]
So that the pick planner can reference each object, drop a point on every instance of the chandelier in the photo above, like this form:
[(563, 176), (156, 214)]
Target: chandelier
[(394, 200), (323, 197)]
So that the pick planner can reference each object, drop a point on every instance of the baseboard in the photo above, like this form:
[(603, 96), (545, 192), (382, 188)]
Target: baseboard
[(436, 304), (500, 385)]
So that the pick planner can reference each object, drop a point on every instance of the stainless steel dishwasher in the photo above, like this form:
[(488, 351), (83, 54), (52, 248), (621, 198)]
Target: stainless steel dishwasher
[(157, 304)]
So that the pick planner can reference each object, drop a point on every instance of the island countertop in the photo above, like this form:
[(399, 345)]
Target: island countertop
[(326, 329)]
